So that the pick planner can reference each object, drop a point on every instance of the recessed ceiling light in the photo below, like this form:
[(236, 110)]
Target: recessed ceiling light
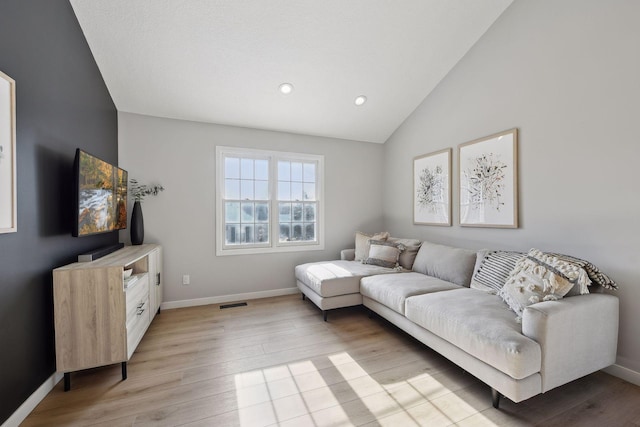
[(360, 100), (286, 88)]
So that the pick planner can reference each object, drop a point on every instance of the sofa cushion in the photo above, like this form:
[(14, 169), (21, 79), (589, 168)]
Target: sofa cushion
[(362, 243), (480, 324), (333, 278), (411, 248), (392, 291), (446, 263)]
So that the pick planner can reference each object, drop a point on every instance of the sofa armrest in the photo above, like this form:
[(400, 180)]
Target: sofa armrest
[(348, 254), (577, 336)]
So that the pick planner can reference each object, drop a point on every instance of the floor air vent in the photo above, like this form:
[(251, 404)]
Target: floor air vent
[(237, 304)]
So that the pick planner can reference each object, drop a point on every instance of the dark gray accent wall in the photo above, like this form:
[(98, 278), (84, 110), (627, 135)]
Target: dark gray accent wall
[(62, 104)]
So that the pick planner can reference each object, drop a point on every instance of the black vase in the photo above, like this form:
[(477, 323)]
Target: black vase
[(137, 224)]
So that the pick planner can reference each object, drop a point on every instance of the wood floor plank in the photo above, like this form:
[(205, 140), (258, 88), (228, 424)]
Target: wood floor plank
[(276, 362)]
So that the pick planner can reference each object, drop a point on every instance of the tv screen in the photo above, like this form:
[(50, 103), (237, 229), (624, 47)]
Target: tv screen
[(101, 195)]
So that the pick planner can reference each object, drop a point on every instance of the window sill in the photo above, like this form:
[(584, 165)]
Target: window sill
[(270, 250)]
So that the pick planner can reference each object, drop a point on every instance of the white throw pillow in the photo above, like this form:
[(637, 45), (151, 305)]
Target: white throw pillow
[(384, 254), (541, 277)]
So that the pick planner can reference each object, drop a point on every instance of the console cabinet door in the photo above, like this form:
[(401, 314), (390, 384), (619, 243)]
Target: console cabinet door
[(155, 281)]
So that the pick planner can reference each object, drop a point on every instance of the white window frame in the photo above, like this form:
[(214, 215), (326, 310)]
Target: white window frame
[(274, 246)]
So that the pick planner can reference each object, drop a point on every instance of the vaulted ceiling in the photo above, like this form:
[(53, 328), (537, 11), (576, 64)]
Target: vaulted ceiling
[(222, 61)]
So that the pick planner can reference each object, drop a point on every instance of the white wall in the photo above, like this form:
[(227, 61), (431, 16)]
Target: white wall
[(181, 156), (567, 74)]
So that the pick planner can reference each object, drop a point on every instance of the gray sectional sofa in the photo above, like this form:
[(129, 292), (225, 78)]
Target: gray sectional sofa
[(552, 342)]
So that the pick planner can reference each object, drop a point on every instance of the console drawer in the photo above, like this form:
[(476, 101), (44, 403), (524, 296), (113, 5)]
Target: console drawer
[(137, 326), (137, 298)]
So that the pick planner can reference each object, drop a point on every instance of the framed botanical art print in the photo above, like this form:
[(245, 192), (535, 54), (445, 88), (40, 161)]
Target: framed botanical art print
[(7, 154), (432, 188), (489, 181)]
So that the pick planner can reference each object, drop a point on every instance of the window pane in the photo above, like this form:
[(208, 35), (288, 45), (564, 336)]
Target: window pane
[(247, 212), (284, 171), (262, 170), (309, 212), (309, 172), (284, 190), (246, 171), (232, 212), (262, 190), (285, 212), (262, 212), (296, 191), (297, 232), (247, 233), (285, 232), (309, 232), (232, 189), (296, 171), (232, 167), (232, 235), (297, 211), (309, 191), (262, 233), (246, 190)]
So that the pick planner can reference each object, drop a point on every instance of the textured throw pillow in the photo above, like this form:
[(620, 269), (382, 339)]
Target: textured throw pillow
[(494, 270), (362, 243), (541, 277), (383, 254), (408, 255), (597, 277)]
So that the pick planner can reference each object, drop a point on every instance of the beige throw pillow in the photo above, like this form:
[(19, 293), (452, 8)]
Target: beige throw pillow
[(538, 277), (362, 243)]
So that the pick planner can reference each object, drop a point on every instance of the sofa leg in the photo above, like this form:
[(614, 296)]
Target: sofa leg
[(495, 398), (369, 313), (304, 297), (324, 313)]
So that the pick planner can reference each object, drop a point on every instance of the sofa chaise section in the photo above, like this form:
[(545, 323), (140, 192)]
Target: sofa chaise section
[(335, 284)]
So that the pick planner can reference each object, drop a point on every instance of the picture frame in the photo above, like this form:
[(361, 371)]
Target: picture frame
[(488, 181), (8, 204), (432, 188)]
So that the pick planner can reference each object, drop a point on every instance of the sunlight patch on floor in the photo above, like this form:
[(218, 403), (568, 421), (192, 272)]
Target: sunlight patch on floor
[(343, 394)]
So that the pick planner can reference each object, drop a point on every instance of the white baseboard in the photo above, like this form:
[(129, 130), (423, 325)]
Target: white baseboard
[(25, 409), (625, 373), (228, 298)]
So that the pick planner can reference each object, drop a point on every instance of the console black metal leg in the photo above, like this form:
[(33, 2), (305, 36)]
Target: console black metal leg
[(324, 312), (304, 297), (495, 398), (124, 371), (67, 381)]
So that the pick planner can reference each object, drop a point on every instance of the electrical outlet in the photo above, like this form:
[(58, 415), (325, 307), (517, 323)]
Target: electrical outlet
[(186, 279)]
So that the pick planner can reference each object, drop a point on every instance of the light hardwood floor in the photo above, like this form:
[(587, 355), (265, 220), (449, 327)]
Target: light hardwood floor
[(275, 362)]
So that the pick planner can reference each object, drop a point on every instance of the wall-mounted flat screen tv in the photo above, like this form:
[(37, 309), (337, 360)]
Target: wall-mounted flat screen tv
[(101, 195)]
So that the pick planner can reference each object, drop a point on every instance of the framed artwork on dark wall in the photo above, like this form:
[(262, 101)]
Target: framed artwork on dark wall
[(488, 191), (432, 188), (8, 206)]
